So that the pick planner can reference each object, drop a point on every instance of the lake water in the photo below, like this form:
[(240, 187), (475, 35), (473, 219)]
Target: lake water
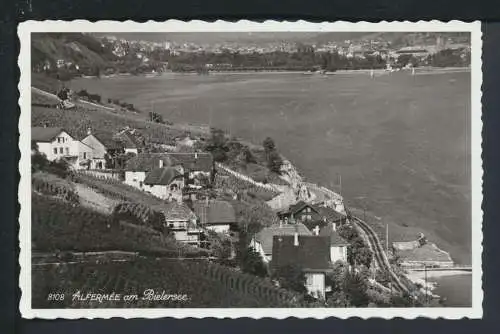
[(398, 141), (457, 290)]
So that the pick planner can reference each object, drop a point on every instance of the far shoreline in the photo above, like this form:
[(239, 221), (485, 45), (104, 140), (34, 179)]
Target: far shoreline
[(434, 70)]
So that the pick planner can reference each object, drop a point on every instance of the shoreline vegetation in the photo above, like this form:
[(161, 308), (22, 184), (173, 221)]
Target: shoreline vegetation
[(418, 70)]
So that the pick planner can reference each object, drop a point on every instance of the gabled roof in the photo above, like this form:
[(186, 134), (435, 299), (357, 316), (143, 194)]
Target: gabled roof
[(106, 139), (330, 214), (161, 176), (44, 134), (144, 162), (128, 139), (265, 236), (216, 212), (202, 162), (312, 252), (173, 211), (335, 238)]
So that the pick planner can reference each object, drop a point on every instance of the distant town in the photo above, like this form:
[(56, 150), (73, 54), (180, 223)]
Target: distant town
[(122, 56)]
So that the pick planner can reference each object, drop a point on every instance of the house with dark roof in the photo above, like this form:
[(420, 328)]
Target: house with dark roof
[(57, 144), (196, 168), (138, 167), (166, 183), (311, 253), (102, 144), (215, 215), (311, 215), (262, 242)]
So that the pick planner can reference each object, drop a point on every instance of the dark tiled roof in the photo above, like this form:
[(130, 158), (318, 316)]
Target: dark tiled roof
[(161, 176), (335, 238), (44, 134), (107, 140), (202, 162), (128, 139), (217, 212), (265, 236), (312, 253), (330, 214), (149, 161)]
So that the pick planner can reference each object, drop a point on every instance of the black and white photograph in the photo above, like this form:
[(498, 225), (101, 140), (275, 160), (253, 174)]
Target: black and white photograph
[(193, 169)]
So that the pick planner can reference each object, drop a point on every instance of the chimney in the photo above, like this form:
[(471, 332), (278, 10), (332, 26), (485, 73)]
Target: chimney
[(89, 131), (160, 163)]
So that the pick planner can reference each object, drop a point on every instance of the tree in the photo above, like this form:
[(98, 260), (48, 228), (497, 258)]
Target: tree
[(275, 162), (291, 277), (268, 145), (355, 288), (251, 263), (217, 145)]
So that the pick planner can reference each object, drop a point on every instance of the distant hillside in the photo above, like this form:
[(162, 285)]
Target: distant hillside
[(79, 49)]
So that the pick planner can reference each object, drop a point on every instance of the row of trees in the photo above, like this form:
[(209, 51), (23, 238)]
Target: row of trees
[(307, 60)]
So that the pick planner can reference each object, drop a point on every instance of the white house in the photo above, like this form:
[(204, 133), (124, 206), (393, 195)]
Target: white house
[(56, 144), (139, 166), (166, 183), (101, 145)]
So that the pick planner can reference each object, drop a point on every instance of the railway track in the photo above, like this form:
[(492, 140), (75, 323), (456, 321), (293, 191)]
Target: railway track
[(379, 254)]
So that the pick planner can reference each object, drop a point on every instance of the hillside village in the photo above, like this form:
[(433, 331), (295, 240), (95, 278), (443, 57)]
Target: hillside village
[(193, 209)]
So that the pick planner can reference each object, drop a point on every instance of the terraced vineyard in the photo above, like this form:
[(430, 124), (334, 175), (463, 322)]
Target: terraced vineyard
[(77, 122), (62, 226), (204, 284), (228, 182), (52, 185)]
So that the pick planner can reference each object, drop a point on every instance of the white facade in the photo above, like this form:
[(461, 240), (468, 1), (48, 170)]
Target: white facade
[(99, 151), (131, 150), (135, 179), (257, 246), (315, 284), (171, 192), (338, 253), (62, 145), (218, 228)]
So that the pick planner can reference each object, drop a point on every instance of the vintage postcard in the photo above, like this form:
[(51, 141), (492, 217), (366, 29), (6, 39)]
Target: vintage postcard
[(275, 169)]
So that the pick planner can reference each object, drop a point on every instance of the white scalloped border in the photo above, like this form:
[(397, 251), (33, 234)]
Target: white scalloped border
[(24, 33)]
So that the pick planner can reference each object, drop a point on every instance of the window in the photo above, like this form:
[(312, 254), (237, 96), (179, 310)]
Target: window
[(141, 183), (84, 155), (303, 217), (309, 280), (67, 150), (61, 150), (58, 140), (55, 150), (308, 217)]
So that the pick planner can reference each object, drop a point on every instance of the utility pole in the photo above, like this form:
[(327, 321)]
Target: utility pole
[(387, 238)]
